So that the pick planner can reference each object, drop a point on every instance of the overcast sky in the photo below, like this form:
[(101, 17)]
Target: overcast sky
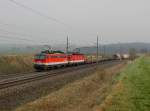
[(113, 20)]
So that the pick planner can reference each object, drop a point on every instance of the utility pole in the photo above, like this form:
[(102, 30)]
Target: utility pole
[(104, 50), (97, 53), (67, 47)]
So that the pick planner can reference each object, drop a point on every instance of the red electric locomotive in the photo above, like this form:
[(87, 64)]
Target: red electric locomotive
[(76, 58), (48, 59)]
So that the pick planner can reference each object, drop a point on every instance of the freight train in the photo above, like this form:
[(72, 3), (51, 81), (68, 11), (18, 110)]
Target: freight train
[(121, 56), (53, 59)]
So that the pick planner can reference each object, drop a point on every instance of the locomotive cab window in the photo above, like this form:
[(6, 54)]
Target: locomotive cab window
[(41, 57)]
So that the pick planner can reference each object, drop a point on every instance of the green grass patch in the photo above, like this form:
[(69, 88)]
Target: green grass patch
[(132, 92)]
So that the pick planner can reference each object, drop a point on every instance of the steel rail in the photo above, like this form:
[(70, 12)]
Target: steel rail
[(6, 83)]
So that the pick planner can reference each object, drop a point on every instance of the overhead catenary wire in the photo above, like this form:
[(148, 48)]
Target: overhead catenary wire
[(21, 28), (6, 24), (16, 33), (19, 38), (7, 40), (38, 13), (26, 7), (10, 37), (23, 36), (17, 41)]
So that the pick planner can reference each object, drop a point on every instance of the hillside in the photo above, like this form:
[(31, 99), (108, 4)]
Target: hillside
[(117, 48), (108, 48)]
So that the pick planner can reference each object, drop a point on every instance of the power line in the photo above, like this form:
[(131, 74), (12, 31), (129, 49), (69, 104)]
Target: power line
[(14, 32), (8, 24), (20, 27), (39, 13), (15, 41), (18, 38), (19, 34), (11, 25), (3, 39)]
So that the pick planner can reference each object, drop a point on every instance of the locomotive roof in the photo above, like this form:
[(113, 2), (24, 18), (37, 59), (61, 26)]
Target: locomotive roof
[(50, 54), (52, 51), (47, 52)]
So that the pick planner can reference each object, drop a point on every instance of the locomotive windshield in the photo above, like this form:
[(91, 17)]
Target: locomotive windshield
[(41, 57)]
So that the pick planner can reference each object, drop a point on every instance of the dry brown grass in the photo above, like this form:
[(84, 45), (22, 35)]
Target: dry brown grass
[(82, 95), (117, 88), (15, 64)]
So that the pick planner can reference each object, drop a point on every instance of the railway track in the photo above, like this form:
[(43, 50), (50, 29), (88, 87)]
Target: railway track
[(14, 81)]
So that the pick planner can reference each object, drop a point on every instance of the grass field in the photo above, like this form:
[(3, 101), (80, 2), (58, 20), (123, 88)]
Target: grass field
[(16, 64), (102, 91), (81, 95), (132, 91)]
